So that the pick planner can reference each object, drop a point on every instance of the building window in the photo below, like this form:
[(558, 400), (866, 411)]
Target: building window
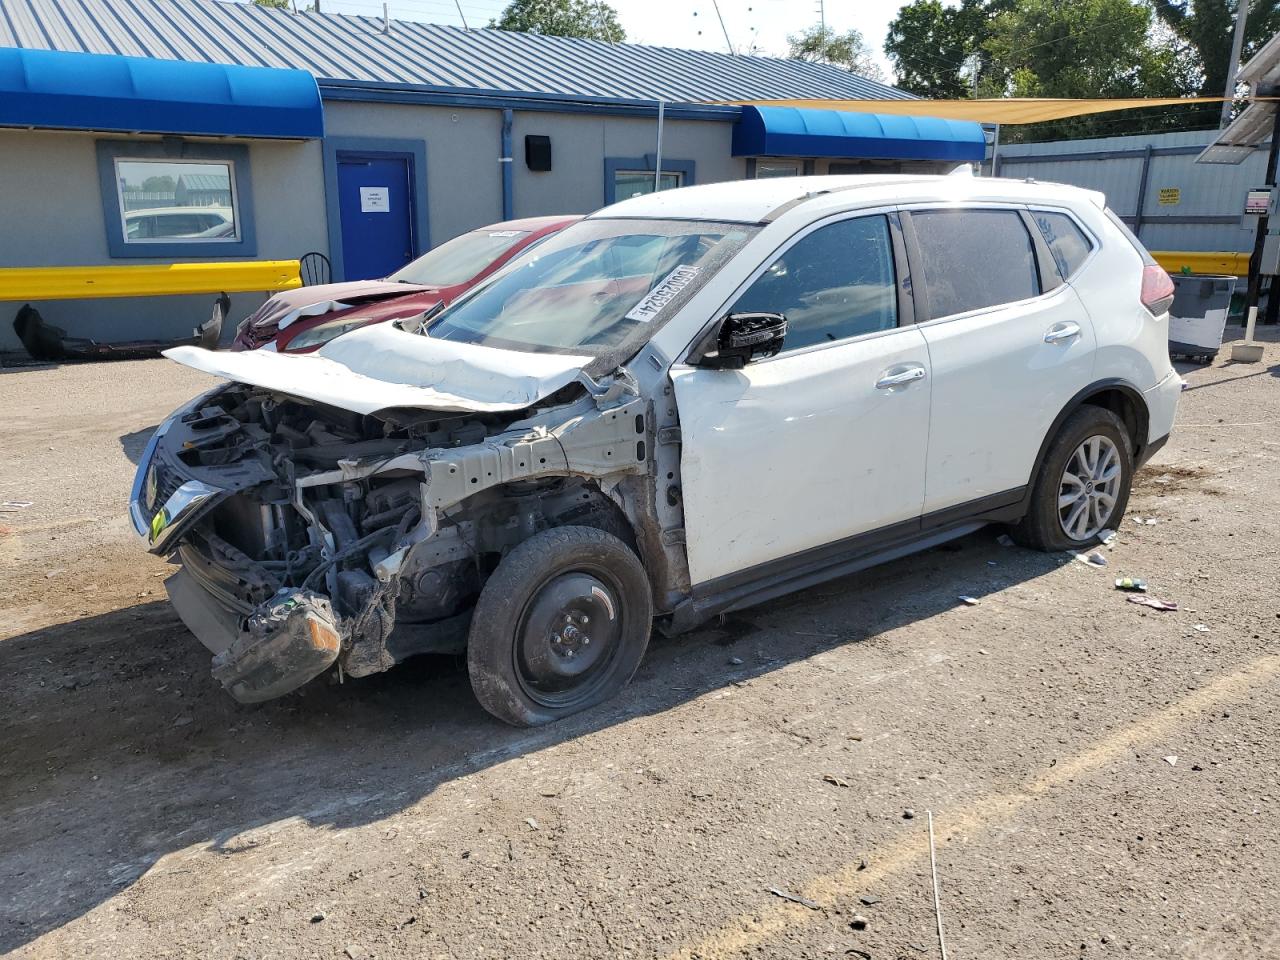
[(176, 200), (635, 183), (188, 200), (626, 177), (777, 168)]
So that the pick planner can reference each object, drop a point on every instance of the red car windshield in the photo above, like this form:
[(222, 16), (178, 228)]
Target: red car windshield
[(460, 259)]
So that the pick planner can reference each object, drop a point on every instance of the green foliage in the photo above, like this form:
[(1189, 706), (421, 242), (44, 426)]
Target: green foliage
[(1075, 48), (275, 4), (848, 51), (1204, 28), (592, 19), (164, 184), (935, 48), (1088, 49)]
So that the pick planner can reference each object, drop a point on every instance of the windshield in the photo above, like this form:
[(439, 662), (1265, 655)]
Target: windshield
[(594, 288), (460, 259)]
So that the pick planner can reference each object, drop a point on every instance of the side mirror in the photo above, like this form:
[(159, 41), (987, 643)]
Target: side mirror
[(744, 337)]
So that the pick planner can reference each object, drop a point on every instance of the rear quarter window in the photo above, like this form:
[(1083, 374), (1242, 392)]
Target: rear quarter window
[(974, 259), (1068, 244)]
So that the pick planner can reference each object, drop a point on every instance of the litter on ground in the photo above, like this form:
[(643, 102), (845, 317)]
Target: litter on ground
[(1131, 584), (1152, 602)]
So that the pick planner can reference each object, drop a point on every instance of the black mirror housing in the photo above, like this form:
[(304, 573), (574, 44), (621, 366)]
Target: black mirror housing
[(744, 337)]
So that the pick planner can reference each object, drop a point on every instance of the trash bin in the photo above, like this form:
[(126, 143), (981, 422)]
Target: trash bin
[(1198, 315)]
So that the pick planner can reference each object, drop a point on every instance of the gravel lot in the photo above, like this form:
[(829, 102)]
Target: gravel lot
[(1102, 777)]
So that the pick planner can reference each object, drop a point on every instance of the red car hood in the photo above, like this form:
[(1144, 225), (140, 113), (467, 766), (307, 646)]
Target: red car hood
[(285, 308)]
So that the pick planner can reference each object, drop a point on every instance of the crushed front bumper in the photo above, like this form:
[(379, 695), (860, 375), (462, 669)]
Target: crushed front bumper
[(266, 652)]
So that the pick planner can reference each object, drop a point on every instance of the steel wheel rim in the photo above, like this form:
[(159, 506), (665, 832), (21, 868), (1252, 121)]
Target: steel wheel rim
[(1089, 488), (568, 636)]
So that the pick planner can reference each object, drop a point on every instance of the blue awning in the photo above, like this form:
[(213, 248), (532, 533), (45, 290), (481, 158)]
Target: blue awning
[(90, 91), (803, 132)]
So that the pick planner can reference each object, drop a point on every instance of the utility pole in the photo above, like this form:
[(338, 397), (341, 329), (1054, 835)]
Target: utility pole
[(1233, 65), (727, 41), (822, 26)]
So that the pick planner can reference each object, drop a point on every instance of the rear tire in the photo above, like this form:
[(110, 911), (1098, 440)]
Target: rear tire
[(1083, 485), (559, 627)]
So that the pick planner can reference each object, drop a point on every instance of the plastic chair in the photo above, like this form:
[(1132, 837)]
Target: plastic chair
[(314, 268)]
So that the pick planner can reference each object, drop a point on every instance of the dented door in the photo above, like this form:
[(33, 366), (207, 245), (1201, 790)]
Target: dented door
[(801, 450)]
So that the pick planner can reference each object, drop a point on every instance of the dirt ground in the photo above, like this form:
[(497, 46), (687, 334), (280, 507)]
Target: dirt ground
[(1102, 777)]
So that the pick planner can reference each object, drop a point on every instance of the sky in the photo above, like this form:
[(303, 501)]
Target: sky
[(691, 24)]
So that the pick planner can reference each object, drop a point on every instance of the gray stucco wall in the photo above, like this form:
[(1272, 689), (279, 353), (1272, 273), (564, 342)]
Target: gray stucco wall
[(51, 207), (581, 142), (463, 186), (464, 177)]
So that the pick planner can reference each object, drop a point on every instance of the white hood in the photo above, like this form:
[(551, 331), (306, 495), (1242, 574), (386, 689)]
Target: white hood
[(381, 366)]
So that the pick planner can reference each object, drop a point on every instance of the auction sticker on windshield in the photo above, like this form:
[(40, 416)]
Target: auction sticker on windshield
[(663, 293)]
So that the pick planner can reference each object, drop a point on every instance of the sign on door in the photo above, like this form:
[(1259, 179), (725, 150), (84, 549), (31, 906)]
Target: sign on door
[(375, 199)]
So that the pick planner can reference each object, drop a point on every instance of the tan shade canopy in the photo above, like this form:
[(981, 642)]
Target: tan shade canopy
[(1003, 110)]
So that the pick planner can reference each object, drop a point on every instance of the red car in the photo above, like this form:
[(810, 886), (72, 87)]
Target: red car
[(303, 319)]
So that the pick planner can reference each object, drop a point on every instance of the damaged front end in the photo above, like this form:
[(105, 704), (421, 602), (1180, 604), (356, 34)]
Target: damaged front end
[(311, 537)]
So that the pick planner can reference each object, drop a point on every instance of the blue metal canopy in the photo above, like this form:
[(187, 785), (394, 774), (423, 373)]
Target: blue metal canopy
[(802, 132), (85, 91)]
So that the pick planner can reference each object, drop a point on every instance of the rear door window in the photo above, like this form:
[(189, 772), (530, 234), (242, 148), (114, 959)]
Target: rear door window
[(974, 259), (837, 282), (1066, 241)]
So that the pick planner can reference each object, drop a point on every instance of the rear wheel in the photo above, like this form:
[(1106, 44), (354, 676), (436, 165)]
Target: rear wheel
[(560, 626), (1083, 486)]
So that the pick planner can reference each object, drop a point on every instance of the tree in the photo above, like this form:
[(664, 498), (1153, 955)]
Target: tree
[(1205, 28), (1088, 49), (929, 45), (275, 4), (164, 184), (592, 19), (848, 51)]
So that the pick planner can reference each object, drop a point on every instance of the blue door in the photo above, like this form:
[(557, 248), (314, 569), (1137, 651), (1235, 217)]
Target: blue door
[(375, 201)]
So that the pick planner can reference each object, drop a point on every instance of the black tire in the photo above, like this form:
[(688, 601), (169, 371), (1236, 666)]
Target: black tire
[(529, 651), (1043, 528)]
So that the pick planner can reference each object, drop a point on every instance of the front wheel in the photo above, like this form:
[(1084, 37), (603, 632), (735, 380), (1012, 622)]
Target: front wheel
[(1083, 486), (560, 626)]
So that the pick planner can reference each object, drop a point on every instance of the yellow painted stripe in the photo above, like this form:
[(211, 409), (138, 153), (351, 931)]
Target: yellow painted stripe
[(146, 280), (1222, 262), (749, 932)]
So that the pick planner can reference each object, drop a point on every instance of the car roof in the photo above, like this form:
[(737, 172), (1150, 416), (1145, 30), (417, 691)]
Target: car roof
[(153, 211), (759, 201)]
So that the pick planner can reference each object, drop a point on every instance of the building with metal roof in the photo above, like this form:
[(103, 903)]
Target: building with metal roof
[(368, 141), (344, 49)]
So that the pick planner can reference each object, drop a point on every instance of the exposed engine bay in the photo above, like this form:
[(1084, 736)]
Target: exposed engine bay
[(311, 537)]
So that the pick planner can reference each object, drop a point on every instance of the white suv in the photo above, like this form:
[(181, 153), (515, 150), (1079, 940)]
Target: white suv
[(686, 403)]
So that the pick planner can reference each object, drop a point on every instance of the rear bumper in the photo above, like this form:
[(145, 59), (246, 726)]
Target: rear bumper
[(1162, 408), (274, 649)]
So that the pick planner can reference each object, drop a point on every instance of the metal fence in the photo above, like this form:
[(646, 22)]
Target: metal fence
[(1154, 184)]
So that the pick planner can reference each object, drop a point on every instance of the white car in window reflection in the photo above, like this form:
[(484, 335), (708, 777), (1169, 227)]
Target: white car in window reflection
[(683, 404), (186, 223)]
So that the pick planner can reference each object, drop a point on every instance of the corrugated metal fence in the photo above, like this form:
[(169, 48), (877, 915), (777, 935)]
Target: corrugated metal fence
[(1154, 184)]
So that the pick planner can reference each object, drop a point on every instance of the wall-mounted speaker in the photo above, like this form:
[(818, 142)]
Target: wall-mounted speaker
[(537, 153)]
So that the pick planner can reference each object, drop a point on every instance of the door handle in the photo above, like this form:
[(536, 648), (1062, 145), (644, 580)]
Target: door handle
[(900, 378), (1062, 332)]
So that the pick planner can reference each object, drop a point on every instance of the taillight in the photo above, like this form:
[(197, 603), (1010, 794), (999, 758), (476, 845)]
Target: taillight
[(1157, 289)]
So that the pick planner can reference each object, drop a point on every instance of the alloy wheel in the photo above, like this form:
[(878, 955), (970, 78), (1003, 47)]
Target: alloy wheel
[(1089, 488)]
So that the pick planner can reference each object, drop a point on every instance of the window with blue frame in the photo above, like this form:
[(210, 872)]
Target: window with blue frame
[(176, 199), (627, 177)]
